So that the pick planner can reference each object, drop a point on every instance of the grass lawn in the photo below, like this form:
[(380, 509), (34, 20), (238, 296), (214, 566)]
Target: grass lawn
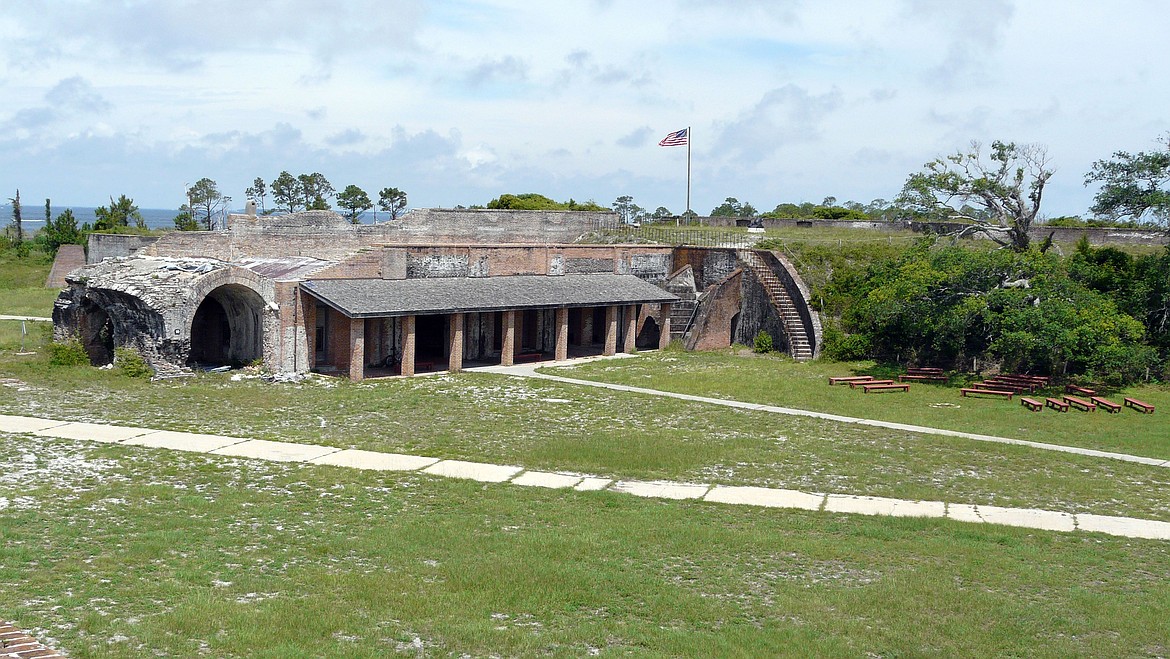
[(551, 426), (777, 380), (123, 552)]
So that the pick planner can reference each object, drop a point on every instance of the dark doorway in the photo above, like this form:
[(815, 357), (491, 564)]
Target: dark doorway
[(97, 334), (531, 340), (598, 325), (648, 337), (430, 339), (212, 343)]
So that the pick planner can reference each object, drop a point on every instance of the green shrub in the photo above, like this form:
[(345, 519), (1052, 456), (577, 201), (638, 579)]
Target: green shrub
[(67, 353), (131, 363), (762, 342), (842, 347)]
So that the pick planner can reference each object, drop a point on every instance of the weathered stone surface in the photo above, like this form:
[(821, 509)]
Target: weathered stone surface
[(92, 432), (661, 489), (374, 461), (545, 479), (263, 449), (478, 471)]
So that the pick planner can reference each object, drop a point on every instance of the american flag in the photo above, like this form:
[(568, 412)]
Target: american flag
[(677, 138)]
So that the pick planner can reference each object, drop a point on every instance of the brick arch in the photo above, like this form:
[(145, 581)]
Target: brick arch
[(233, 318)]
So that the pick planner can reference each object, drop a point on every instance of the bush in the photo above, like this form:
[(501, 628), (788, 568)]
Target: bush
[(67, 353), (842, 347), (763, 342), (131, 363)]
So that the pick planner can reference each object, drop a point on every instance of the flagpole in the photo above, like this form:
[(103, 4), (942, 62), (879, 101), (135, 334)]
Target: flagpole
[(689, 138)]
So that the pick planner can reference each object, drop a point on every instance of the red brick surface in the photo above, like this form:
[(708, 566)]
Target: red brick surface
[(16, 644)]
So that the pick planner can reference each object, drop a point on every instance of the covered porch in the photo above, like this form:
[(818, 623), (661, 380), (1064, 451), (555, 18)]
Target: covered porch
[(374, 327)]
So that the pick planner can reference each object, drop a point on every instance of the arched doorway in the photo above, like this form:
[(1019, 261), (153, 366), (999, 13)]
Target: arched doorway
[(228, 328)]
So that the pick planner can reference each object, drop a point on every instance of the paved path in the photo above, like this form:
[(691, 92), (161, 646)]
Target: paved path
[(30, 318), (311, 454), (529, 371)]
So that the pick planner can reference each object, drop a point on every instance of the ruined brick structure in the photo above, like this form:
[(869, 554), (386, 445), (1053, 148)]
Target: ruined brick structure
[(434, 290)]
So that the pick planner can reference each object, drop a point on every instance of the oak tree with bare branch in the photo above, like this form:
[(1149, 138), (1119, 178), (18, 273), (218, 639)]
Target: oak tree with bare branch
[(1005, 189)]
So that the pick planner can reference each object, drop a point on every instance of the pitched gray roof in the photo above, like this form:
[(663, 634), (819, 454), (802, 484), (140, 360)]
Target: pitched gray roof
[(371, 298)]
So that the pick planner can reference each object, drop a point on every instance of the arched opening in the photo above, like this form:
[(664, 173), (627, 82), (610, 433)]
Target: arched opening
[(647, 339), (734, 327), (96, 333), (228, 328)]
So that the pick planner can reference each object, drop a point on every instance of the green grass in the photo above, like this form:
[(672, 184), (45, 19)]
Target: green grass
[(551, 426), (776, 380), (22, 284), (123, 552)]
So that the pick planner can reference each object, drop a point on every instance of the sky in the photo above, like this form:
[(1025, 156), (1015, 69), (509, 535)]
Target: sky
[(457, 102)]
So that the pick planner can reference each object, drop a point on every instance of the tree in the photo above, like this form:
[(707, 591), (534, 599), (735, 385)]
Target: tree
[(185, 221), (1133, 185), (661, 212), (257, 193), (117, 215), (314, 189), (732, 208), (628, 211), (1007, 190), (393, 201), (355, 201), (61, 231), (287, 192), (206, 200), (16, 219)]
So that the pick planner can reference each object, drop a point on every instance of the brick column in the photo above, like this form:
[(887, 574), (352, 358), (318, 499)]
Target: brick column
[(610, 330), (357, 348), (631, 328), (406, 364), (455, 350), (562, 350), (664, 326), (508, 341)]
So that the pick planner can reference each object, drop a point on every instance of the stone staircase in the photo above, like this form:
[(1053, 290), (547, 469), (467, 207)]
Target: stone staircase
[(681, 315), (798, 341)]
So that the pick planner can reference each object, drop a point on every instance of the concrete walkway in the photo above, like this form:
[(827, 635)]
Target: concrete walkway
[(311, 454), (39, 319), (529, 371)]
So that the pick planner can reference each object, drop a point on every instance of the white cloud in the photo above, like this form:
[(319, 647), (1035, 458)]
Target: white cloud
[(459, 102)]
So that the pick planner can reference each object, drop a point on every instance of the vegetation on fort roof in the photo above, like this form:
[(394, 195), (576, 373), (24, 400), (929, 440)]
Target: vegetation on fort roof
[(531, 201)]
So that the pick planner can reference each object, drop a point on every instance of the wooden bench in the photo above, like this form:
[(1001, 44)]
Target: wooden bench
[(1023, 385), (1108, 405), (868, 387), (1144, 408), (1080, 404), (1073, 389), (524, 357), (988, 392), (1003, 386), (922, 378), (1038, 379), (1031, 403), (1056, 404), (924, 370), (846, 379), (853, 385)]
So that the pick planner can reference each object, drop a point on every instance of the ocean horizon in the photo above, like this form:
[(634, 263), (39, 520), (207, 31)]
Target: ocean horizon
[(33, 217)]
